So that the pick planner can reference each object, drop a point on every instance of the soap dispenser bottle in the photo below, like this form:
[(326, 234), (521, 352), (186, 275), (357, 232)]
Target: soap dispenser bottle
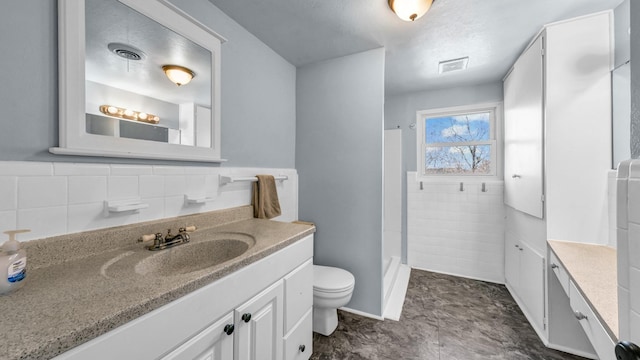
[(13, 263)]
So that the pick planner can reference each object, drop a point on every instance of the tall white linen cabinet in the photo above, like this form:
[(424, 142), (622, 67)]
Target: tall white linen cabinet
[(557, 108)]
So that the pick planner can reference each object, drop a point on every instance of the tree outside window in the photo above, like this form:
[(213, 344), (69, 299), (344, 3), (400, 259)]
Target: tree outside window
[(460, 144)]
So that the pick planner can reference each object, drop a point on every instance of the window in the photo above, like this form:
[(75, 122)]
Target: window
[(458, 141)]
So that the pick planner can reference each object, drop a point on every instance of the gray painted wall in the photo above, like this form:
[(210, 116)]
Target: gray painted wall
[(621, 22), (401, 111), (339, 161), (258, 89), (635, 79)]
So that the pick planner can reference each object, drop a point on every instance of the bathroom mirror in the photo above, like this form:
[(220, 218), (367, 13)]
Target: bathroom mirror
[(119, 94)]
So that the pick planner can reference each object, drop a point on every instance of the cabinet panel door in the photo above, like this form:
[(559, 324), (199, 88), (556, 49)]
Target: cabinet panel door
[(532, 284), (523, 132), (212, 343), (259, 324), (298, 294), (512, 261)]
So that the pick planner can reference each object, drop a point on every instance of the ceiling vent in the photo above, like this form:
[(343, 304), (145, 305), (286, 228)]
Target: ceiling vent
[(126, 51), (453, 65)]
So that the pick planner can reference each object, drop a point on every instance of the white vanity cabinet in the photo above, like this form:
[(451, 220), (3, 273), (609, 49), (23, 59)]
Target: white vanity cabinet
[(524, 273), (213, 343), (262, 311), (259, 326)]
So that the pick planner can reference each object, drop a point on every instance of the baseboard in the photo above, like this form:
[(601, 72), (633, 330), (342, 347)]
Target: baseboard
[(567, 350), (458, 275), (362, 313)]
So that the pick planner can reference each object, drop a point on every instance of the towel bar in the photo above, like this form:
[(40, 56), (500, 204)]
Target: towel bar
[(223, 180)]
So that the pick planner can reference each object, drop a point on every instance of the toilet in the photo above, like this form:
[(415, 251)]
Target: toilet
[(332, 288)]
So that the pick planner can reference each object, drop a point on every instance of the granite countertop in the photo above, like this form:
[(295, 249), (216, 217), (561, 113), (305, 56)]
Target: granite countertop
[(593, 269), (66, 303)]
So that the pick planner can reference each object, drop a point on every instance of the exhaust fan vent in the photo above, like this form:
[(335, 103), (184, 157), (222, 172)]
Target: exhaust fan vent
[(126, 51), (453, 65)]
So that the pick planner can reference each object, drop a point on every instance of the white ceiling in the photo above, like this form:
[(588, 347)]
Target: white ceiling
[(490, 32)]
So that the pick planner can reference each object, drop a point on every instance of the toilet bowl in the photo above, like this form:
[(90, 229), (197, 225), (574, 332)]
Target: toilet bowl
[(332, 288)]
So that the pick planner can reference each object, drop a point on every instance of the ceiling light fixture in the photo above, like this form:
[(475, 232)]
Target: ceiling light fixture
[(410, 10), (180, 75)]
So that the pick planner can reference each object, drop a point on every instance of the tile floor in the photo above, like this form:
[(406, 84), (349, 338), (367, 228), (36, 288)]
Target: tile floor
[(444, 318)]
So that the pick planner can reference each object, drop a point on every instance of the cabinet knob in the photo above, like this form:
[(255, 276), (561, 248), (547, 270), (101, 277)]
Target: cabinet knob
[(228, 329), (246, 317), (302, 348), (554, 266), (515, 176), (579, 315), (627, 351)]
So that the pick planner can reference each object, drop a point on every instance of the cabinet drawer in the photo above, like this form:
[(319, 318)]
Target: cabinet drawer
[(602, 343), (298, 294), (298, 344), (560, 272)]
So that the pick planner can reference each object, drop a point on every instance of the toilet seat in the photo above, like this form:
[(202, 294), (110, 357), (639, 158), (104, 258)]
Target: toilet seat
[(328, 279)]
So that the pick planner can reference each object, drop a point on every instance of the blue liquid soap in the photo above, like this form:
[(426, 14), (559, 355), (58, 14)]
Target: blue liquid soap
[(13, 264)]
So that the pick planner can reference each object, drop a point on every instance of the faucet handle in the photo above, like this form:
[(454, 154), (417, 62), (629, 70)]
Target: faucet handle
[(188, 228), (149, 237)]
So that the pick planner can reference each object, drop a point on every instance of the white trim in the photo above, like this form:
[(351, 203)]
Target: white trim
[(73, 138), (495, 136), (569, 350), (362, 313), (458, 275)]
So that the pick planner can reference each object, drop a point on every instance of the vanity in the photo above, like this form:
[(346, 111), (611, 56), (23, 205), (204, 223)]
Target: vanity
[(105, 300), (588, 276)]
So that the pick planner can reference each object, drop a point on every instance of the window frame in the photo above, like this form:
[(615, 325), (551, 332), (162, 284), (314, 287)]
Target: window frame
[(495, 140)]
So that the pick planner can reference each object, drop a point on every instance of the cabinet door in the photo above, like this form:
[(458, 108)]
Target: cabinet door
[(213, 343), (259, 324), (531, 290), (512, 261), (523, 131)]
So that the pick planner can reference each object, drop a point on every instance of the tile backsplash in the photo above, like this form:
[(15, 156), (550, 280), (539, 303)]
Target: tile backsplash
[(61, 198)]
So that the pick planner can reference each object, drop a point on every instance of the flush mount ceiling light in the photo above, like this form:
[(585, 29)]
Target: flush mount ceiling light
[(410, 10), (453, 65), (180, 75)]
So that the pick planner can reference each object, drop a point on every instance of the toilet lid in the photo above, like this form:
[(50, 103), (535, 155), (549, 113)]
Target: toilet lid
[(331, 279)]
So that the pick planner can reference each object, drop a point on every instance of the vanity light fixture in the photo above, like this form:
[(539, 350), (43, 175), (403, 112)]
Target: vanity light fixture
[(129, 114), (410, 10), (180, 75)]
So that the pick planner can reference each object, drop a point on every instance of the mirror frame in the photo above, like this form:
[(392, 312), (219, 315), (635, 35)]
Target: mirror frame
[(73, 137)]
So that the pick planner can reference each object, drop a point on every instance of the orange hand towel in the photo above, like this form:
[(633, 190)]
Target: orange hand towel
[(265, 198)]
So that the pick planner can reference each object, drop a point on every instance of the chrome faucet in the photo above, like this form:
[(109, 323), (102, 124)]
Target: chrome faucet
[(169, 240)]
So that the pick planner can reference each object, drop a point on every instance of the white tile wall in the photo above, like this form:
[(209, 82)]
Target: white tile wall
[(628, 243), (456, 232), (61, 198), (612, 190)]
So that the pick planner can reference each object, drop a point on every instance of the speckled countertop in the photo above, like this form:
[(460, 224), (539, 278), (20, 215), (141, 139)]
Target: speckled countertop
[(593, 268), (68, 300)]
